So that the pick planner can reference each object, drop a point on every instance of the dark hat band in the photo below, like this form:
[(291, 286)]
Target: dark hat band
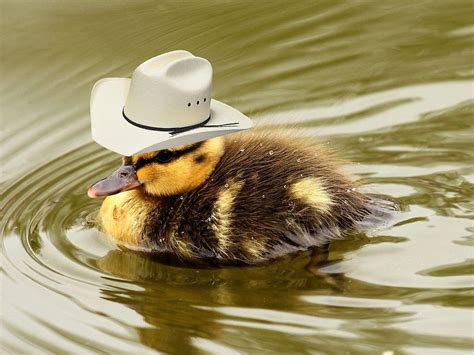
[(176, 130)]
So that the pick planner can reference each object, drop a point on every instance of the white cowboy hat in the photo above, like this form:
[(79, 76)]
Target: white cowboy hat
[(166, 103)]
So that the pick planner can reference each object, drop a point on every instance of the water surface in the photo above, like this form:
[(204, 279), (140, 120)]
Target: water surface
[(389, 84)]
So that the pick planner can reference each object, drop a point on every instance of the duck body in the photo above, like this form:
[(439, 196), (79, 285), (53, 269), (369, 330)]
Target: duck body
[(264, 197)]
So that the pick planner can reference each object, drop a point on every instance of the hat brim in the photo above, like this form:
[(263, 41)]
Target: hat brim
[(112, 131)]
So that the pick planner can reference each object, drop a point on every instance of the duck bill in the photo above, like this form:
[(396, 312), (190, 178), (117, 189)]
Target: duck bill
[(123, 179)]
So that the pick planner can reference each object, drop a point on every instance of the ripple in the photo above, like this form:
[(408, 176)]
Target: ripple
[(397, 102), (412, 103), (406, 265)]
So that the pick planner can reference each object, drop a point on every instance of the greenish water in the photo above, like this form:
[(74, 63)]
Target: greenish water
[(389, 84)]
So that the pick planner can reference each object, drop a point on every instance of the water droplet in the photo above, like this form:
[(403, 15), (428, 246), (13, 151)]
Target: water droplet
[(291, 206), (242, 150), (226, 186), (263, 196), (301, 175), (261, 144), (285, 186), (181, 197), (353, 189), (182, 232), (270, 152), (298, 160)]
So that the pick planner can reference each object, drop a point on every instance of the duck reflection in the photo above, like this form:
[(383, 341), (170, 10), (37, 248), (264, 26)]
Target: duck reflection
[(177, 302)]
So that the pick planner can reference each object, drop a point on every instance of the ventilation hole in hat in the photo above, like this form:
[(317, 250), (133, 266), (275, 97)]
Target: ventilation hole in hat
[(189, 104), (197, 103), (204, 99)]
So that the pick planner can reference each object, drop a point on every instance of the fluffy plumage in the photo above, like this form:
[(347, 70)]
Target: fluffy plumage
[(264, 197)]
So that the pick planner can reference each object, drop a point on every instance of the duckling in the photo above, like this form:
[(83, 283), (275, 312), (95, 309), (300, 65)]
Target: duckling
[(241, 199)]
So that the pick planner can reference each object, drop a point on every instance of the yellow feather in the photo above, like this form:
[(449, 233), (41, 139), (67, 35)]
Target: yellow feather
[(182, 175), (121, 216), (255, 248), (222, 214), (311, 191)]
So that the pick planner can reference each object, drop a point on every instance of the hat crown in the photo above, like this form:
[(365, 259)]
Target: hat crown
[(170, 90), (166, 103)]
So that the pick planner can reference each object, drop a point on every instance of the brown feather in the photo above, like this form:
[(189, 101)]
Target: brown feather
[(254, 206)]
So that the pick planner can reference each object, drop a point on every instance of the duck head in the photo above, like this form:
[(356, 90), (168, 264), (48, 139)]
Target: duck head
[(164, 172)]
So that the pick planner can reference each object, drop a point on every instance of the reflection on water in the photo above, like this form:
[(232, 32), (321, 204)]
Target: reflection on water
[(388, 84)]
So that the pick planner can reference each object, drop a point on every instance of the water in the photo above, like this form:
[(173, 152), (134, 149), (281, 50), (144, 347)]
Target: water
[(389, 84)]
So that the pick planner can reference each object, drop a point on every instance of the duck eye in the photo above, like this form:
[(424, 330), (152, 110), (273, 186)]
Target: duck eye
[(164, 156)]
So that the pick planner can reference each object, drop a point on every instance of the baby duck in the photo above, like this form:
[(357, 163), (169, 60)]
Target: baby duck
[(234, 200)]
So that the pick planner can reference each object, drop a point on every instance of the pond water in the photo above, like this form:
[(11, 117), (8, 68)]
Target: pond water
[(389, 84)]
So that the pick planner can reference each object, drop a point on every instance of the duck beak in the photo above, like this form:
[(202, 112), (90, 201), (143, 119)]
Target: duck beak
[(123, 179)]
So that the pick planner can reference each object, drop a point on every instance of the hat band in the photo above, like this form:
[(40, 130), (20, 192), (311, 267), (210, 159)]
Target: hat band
[(176, 130)]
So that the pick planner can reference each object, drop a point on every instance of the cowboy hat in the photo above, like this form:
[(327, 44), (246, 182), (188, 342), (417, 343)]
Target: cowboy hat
[(166, 103)]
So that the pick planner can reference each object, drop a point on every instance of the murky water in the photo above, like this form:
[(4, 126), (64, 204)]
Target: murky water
[(389, 84)]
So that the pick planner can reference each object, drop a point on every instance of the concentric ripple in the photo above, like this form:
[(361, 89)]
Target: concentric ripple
[(88, 296), (388, 86)]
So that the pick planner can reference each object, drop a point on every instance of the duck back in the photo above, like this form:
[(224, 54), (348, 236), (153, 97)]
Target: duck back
[(268, 196)]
